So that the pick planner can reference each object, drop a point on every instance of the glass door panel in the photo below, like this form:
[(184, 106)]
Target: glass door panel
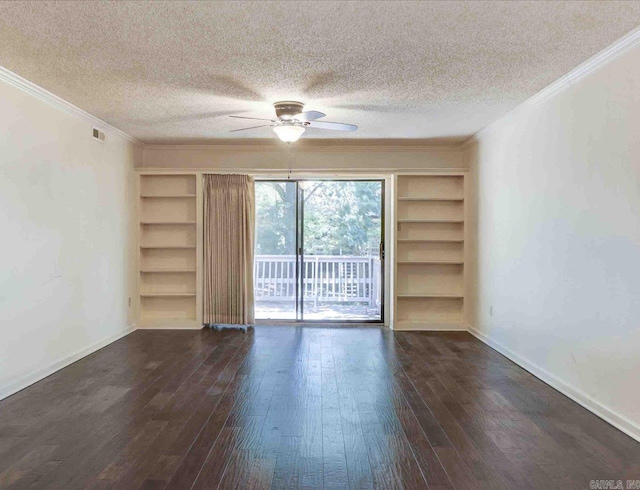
[(276, 266), (342, 223)]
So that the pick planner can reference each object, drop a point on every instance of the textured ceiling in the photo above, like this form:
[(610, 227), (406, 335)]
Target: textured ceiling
[(171, 72)]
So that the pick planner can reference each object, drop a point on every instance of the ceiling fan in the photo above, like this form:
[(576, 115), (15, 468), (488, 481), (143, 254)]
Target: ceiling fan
[(291, 122)]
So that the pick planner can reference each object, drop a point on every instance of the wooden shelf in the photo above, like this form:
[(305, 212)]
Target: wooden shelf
[(433, 326), (429, 240), (167, 184), (167, 222), (431, 199), (167, 295), (169, 323), (167, 247), (431, 186), (168, 196), (438, 262), (431, 295), (160, 271), (430, 221)]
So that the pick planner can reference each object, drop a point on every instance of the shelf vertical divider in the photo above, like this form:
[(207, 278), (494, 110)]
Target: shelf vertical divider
[(199, 248)]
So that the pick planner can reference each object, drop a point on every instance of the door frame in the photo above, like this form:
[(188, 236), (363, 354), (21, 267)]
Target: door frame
[(299, 244)]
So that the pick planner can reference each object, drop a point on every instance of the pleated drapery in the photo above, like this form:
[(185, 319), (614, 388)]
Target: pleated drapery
[(229, 230)]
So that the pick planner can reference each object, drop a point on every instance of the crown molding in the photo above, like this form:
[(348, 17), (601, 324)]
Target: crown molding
[(52, 99), (619, 47)]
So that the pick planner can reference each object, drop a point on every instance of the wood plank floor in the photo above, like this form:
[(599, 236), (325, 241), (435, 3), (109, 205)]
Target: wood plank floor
[(298, 407)]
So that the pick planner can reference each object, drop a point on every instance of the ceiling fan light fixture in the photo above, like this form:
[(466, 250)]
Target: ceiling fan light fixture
[(290, 122), (288, 133)]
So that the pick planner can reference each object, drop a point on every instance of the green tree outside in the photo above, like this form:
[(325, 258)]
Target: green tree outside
[(341, 217)]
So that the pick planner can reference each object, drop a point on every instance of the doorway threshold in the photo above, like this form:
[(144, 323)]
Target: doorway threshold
[(319, 324)]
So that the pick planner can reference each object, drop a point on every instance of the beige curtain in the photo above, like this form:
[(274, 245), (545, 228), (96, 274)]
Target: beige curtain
[(229, 224)]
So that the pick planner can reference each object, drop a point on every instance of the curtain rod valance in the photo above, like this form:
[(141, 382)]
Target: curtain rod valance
[(228, 179)]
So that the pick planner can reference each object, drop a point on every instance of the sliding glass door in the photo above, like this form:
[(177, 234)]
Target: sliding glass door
[(341, 245), (276, 266), (319, 250)]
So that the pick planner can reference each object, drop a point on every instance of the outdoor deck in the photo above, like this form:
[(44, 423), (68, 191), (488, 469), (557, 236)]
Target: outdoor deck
[(335, 288)]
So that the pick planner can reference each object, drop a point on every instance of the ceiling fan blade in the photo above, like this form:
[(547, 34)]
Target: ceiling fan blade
[(256, 118), (309, 116), (332, 125), (252, 127)]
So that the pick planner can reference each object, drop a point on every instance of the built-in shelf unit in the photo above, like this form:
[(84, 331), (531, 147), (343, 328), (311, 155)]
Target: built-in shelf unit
[(168, 251), (429, 218), (429, 252)]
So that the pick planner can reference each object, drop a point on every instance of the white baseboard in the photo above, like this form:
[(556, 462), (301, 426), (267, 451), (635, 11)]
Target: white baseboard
[(608, 415), (40, 374)]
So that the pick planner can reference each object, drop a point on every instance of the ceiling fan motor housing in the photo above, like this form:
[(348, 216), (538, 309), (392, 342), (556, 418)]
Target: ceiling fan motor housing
[(287, 109)]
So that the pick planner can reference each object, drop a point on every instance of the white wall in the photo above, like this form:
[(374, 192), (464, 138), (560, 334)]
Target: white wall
[(558, 252), (65, 226)]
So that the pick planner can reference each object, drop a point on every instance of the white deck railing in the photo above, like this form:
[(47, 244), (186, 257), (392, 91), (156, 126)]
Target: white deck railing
[(333, 278)]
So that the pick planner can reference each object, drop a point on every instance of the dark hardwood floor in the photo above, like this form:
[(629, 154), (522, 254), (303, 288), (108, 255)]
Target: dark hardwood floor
[(298, 407)]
